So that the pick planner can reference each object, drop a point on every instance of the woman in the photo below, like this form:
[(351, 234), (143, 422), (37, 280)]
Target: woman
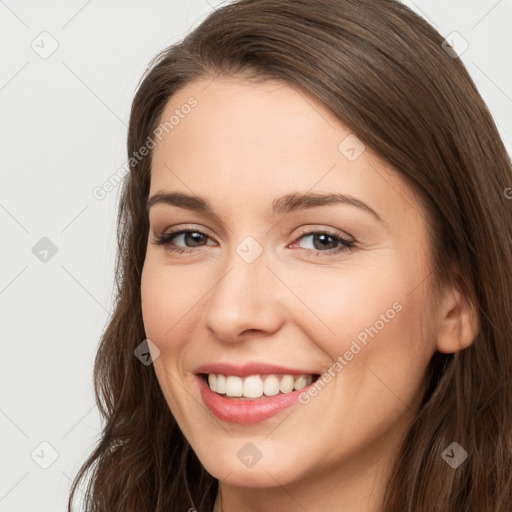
[(315, 254)]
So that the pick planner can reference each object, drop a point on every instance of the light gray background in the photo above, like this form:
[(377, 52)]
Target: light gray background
[(63, 133)]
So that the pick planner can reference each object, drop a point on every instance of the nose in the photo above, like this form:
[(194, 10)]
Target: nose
[(246, 298)]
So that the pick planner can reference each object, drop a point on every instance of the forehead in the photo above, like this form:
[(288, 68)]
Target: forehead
[(263, 140), (265, 120)]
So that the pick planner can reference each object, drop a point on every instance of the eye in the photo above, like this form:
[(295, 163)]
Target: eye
[(323, 242), (327, 243), (194, 237)]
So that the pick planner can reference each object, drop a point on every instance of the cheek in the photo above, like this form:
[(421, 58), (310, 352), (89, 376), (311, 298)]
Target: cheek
[(372, 320), (378, 365), (153, 303), (344, 303), (162, 307), (166, 299)]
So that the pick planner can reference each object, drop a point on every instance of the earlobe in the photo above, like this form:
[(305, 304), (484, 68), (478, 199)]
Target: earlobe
[(459, 324)]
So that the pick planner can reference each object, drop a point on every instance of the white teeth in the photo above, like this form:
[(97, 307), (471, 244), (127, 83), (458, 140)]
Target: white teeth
[(255, 386), (271, 385), (220, 384), (287, 383), (233, 386), (301, 382)]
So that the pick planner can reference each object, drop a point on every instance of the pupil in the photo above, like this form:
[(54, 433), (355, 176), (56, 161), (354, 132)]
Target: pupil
[(193, 237), (322, 237)]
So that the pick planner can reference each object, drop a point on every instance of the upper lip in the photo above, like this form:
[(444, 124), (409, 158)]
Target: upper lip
[(251, 368)]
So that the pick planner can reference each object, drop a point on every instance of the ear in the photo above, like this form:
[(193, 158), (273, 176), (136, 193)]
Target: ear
[(459, 322)]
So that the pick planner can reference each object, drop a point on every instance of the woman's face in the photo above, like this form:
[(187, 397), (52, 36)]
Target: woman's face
[(316, 287)]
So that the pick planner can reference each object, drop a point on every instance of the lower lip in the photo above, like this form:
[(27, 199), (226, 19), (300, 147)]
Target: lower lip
[(246, 412)]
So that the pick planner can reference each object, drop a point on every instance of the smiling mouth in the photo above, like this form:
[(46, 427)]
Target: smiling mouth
[(254, 387)]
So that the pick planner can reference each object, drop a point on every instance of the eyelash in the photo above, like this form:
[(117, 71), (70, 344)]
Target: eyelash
[(166, 239)]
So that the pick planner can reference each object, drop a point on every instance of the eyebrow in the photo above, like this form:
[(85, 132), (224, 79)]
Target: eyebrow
[(285, 204)]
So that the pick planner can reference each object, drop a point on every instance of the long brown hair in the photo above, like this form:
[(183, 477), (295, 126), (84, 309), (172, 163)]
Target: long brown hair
[(383, 71)]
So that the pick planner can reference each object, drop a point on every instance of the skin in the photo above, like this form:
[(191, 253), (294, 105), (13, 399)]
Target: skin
[(242, 146)]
